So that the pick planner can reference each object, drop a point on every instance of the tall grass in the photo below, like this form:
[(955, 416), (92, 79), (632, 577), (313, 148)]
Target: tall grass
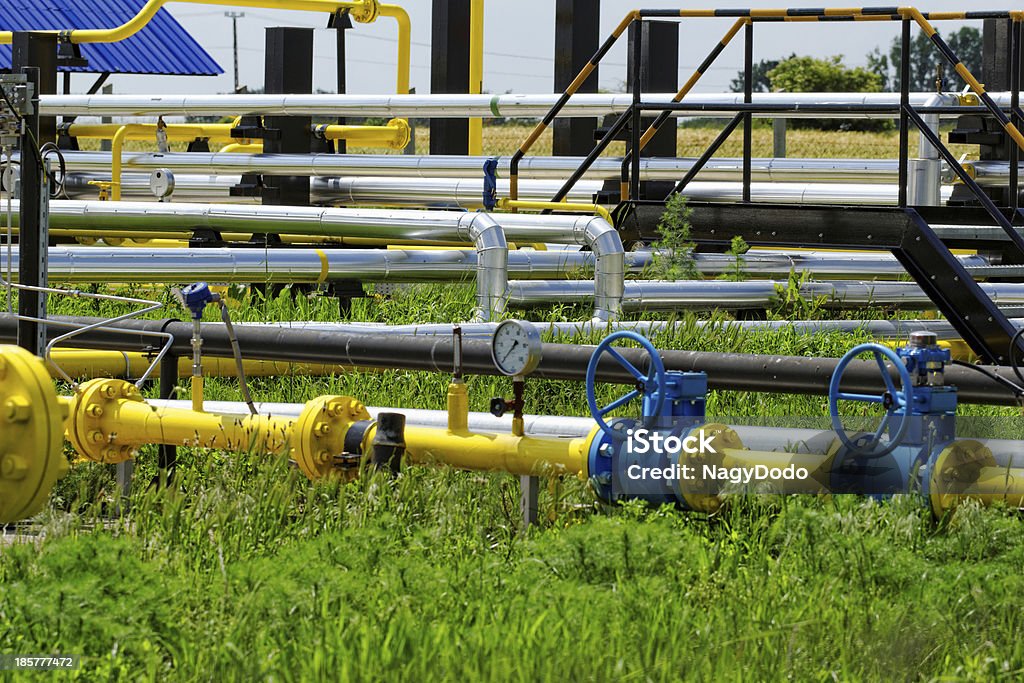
[(243, 570)]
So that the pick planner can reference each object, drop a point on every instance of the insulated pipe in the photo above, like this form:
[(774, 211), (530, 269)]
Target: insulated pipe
[(456, 106), (491, 264), (362, 11), (466, 193), (879, 329), (726, 371), (400, 226), (710, 294), (924, 187), (863, 171)]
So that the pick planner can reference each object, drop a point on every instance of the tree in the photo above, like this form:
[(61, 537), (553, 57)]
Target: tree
[(925, 59), (808, 74), (760, 71)]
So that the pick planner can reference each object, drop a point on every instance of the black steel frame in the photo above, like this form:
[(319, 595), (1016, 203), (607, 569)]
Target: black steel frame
[(918, 248)]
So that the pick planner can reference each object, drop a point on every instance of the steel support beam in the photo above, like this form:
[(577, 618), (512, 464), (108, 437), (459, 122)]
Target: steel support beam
[(449, 71), (577, 37), (288, 70), (659, 72), (38, 50)]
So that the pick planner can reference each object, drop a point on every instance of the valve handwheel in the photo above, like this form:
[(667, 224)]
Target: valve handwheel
[(650, 386), (891, 399)]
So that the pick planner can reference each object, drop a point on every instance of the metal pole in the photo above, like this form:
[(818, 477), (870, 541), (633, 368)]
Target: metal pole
[(235, 16), (1015, 54), (529, 499), (904, 104), (634, 147), (33, 239), (748, 97), (449, 71), (779, 138), (167, 456)]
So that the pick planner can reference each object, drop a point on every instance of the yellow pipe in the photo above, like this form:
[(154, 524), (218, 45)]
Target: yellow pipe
[(83, 363), (109, 421), (394, 135), (180, 132), (251, 148), (506, 204), (476, 71), (363, 11)]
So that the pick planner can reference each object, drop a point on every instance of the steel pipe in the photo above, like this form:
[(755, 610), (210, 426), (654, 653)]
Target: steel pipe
[(726, 371), (710, 294), (864, 171), (448, 106), (400, 226)]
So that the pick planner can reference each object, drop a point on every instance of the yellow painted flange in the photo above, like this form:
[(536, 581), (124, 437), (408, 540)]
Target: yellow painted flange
[(696, 492), (955, 472), (319, 432), (31, 439), (366, 13), (405, 133), (86, 426)]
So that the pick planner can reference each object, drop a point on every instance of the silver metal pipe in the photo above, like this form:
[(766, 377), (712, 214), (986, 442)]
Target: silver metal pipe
[(444, 106), (881, 329), (467, 192), (491, 262), (397, 225), (281, 266), (864, 171), (705, 294), (136, 186)]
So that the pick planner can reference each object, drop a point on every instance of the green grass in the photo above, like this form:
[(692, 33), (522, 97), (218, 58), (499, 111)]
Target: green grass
[(244, 570)]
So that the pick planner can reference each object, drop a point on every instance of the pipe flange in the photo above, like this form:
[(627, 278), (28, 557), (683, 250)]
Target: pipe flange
[(93, 412), (699, 494), (319, 433), (31, 438), (366, 13), (404, 133), (955, 472)]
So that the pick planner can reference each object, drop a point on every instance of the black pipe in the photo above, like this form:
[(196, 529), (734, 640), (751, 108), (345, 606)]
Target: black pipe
[(726, 371)]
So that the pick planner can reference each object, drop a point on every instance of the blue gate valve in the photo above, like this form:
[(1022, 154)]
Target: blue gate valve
[(670, 400)]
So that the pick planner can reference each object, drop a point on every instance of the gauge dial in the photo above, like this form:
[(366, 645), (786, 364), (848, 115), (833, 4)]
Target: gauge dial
[(516, 347)]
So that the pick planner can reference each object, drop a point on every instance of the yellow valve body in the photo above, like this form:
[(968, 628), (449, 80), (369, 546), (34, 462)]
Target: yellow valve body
[(31, 435)]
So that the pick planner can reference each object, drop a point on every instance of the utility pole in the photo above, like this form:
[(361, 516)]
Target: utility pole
[(234, 17)]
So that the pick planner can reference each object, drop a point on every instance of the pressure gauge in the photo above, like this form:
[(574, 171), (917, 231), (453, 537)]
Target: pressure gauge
[(516, 347)]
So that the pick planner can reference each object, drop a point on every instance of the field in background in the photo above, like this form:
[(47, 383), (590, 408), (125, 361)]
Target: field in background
[(692, 141), (245, 570)]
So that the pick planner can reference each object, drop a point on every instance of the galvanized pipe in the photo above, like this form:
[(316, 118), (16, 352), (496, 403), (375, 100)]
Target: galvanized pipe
[(757, 294), (466, 193), (398, 225), (879, 329), (865, 171), (446, 106)]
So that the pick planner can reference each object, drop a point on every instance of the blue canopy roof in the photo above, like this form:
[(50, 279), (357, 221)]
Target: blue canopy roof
[(162, 47)]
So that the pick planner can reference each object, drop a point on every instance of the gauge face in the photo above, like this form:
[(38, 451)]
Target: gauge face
[(515, 348)]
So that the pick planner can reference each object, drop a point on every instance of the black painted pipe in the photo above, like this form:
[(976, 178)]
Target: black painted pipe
[(729, 371)]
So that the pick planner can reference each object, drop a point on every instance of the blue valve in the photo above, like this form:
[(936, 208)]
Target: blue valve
[(490, 183), (650, 387), (894, 401), (196, 297)]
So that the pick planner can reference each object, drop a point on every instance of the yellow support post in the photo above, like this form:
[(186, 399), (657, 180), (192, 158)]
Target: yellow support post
[(476, 72)]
